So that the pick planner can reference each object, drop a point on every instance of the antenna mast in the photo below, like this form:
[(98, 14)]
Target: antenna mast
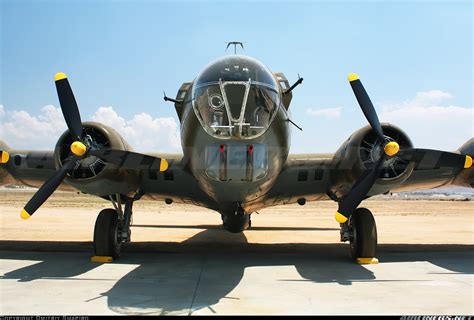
[(235, 44)]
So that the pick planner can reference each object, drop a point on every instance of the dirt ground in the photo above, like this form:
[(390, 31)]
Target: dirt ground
[(71, 217)]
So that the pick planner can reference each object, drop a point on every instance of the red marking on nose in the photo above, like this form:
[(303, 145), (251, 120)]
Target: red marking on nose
[(221, 148), (250, 148)]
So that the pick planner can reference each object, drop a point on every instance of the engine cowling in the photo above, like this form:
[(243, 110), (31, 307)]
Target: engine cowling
[(92, 175), (360, 151)]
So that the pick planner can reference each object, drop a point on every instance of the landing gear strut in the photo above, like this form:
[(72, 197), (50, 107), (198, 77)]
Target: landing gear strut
[(112, 228), (360, 230)]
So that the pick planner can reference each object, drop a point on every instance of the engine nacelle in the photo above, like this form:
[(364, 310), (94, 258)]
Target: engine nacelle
[(92, 175), (360, 151)]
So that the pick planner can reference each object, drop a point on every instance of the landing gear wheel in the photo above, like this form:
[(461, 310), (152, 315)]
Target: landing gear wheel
[(106, 234), (363, 234)]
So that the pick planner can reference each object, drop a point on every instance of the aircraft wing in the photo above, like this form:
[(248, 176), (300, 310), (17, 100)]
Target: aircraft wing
[(33, 168), (428, 178), (176, 183), (325, 176), (29, 168), (305, 176)]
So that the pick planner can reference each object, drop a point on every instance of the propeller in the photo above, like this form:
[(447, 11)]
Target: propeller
[(81, 148), (424, 158)]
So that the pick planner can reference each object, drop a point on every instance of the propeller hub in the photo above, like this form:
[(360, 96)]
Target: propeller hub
[(78, 148), (391, 148)]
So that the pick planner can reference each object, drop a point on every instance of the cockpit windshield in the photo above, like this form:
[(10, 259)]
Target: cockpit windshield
[(235, 96)]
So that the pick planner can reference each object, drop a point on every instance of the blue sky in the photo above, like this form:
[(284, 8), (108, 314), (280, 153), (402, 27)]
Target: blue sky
[(414, 58)]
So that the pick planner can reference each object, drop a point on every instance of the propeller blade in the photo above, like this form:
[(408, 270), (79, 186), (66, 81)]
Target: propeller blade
[(68, 105), (47, 189), (432, 159), (348, 204), (366, 105), (130, 160)]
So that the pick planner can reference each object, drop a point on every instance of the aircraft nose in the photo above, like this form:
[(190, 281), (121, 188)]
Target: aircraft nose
[(236, 161)]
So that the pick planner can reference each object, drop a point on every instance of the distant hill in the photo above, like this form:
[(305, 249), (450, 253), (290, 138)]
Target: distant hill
[(445, 193)]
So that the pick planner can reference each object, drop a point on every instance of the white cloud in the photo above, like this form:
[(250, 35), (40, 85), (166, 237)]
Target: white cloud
[(430, 121), (20, 130), (326, 112), (143, 132)]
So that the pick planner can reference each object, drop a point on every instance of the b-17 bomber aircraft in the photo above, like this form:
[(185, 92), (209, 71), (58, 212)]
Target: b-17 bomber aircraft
[(235, 135)]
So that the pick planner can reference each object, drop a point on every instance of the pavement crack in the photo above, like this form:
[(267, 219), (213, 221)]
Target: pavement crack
[(197, 285)]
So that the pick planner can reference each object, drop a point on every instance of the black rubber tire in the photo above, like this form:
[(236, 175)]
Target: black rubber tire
[(105, 234), (363, 239)]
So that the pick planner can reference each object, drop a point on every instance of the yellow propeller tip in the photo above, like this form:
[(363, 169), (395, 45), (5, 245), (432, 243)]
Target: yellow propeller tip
[(391, 148), (163, 165), (78, 148), (24, 215), (353, 77), (4, 157), (468, 162), (340, 217), (59, 76)]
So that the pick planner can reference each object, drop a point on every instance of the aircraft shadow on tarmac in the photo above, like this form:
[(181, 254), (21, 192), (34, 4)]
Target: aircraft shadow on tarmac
[(199, 272)]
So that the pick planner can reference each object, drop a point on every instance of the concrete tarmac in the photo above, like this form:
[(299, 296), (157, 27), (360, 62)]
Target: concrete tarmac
[(237, 279), (181, 261)]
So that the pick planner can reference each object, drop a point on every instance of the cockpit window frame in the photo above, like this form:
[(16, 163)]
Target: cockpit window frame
[(231, 119), (261, 101), (222, 85)]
